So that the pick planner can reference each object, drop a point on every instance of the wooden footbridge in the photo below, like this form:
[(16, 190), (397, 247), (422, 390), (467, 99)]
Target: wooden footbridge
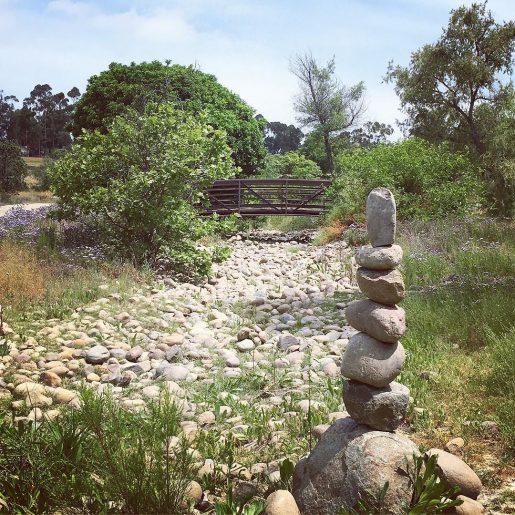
[(257, 197)]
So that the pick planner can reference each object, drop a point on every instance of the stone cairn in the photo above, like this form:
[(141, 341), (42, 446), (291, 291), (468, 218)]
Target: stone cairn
[(374, 356), (359, 454)]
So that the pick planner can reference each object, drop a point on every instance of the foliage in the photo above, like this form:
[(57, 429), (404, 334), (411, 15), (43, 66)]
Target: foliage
[(110, 93), (459, 275), (281, 138), (96, 458), (431, 494), (428, 181), (7, 107), (454, 90), (291, 165), (141, 181), (12, 167), (323, 103), (368, 135), (41, 124)]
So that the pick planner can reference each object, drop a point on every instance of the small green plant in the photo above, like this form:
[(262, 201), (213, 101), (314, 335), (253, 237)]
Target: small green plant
[(431, 493)]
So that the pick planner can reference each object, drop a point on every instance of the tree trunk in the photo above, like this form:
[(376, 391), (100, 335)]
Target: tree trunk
[(329, 154)]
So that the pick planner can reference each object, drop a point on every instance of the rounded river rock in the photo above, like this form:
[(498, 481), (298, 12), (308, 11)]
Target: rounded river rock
[(372, 362)]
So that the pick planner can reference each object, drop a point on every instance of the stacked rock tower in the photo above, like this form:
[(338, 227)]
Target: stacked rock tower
[(374, 357)]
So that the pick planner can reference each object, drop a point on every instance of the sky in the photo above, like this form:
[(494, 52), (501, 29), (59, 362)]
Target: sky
[(246, 44)]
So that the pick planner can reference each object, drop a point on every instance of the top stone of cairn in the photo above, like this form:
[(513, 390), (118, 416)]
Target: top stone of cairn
[(381, 217)]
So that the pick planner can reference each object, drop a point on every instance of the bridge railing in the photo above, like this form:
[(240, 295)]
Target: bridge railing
[(254, 197)]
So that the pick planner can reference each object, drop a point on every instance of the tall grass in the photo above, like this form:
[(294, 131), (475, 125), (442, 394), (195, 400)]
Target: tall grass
[(461, 328), (99, 458), (35, 284)]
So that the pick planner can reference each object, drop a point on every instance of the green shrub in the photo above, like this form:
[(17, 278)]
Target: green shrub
[(291, 165), (141, 181), (122, 86), (428, 181), (12, 167), (99, 458)]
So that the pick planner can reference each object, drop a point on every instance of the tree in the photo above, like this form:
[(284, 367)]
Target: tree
[(368, 135), (110, 93), (429, 181), (451, 86), (6, 112), (12, 167), (323, 103), (140, 183), (41, 124), (292, 165), (281, 138)]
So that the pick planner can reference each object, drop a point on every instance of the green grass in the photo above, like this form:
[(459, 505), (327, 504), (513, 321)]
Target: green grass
[(96, 459), (461, 328)]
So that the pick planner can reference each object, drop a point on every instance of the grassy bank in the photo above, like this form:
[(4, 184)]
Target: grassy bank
[(461, 338)]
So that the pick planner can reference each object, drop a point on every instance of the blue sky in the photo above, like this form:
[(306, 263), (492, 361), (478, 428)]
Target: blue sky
[(247, 44)]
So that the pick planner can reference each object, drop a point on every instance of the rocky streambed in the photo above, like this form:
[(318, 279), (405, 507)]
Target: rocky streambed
[(249, 353)]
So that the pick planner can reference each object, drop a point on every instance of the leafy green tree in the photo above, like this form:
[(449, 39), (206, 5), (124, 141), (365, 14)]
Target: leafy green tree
[(140, 182), (368, 135), (291, 165), (41, 124), (7, 103), (429, 181), (323, 103), (455, 90), (12, 167), (281, 138), (111, 92)]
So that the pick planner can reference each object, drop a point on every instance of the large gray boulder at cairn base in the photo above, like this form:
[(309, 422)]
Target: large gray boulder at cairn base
[(384, 323), (381, 217), (380, 408), (384, 286), (349, 462), (372, 362), (379, 258)]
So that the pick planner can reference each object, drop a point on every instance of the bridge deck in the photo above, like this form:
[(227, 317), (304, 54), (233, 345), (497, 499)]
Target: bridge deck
[(255, 197)]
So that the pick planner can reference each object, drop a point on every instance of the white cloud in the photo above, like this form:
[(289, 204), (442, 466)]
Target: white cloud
[(245, 43)]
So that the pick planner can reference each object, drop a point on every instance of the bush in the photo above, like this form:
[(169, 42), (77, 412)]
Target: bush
[(291, 165), (428, 181), (121, 87), (12, 167), (99, 458), (141, 181)]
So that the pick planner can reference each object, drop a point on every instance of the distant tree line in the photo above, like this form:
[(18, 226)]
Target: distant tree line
[(42, 124)]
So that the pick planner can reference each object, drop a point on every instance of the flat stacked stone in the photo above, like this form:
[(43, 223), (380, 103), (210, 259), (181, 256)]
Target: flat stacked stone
[(374, 357)]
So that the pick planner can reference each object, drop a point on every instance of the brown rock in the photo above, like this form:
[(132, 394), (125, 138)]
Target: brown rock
[(457, 473), (193, 492), (173, 339), (379, 258), (50, 378), (384, 323), (319, 430), (469, 507), (455, 445), (281, 502), (384, 286)]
